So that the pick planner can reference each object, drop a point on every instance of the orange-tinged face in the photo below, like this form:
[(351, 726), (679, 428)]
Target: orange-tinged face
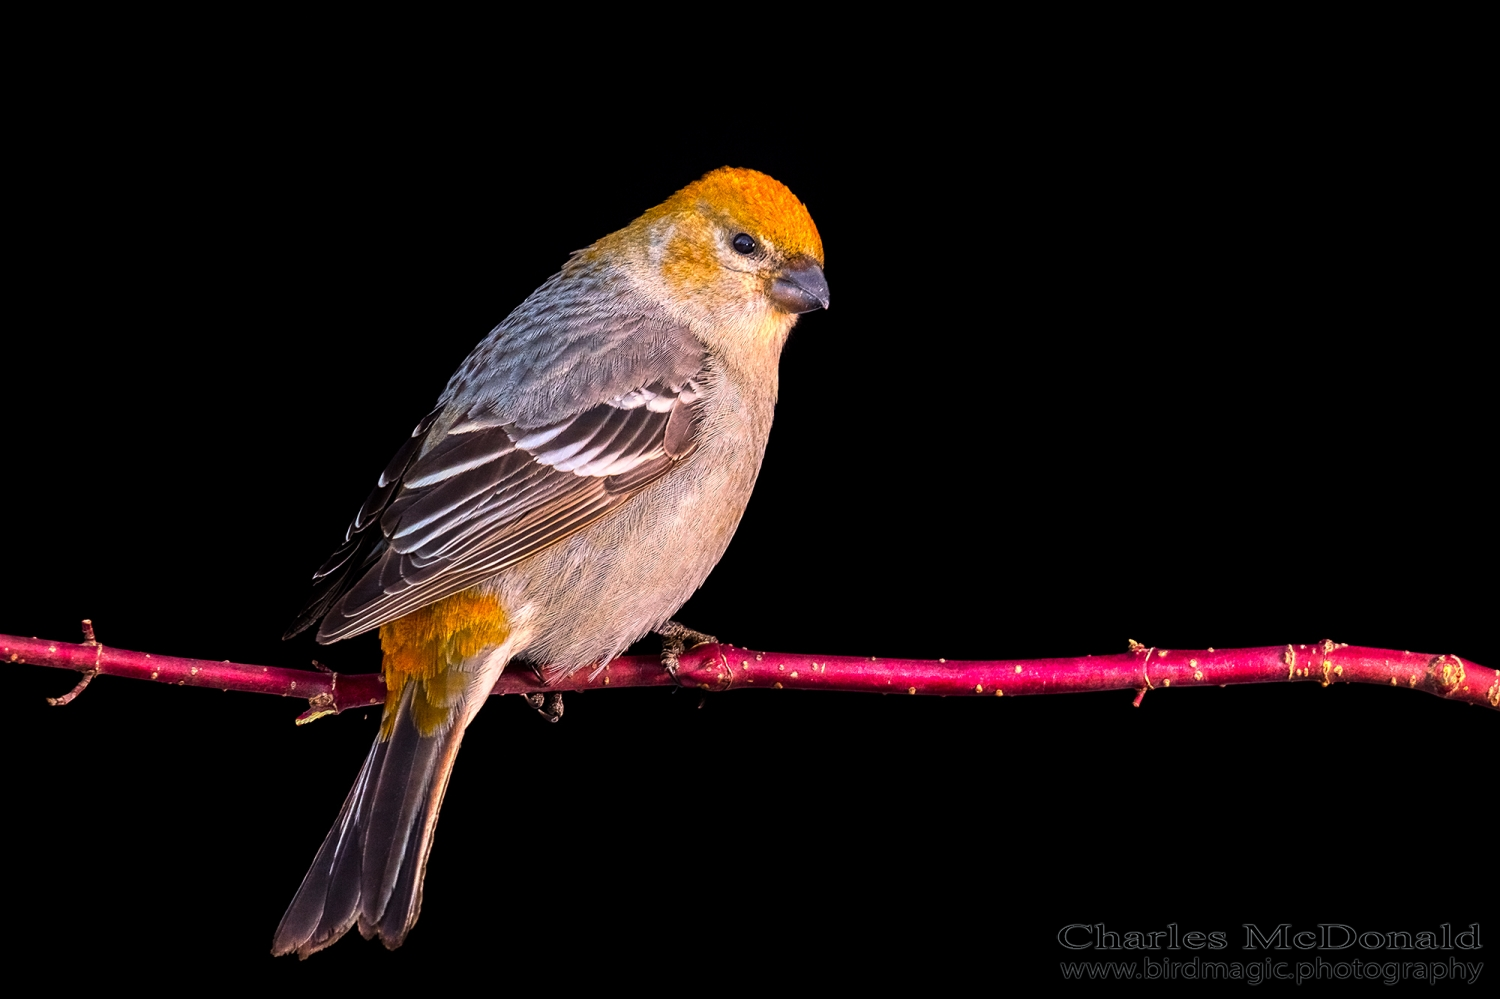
[(734, 241), (761, 205)]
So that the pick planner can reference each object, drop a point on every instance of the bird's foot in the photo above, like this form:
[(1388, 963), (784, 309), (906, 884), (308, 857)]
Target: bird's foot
[(677, 638), (548, 705)]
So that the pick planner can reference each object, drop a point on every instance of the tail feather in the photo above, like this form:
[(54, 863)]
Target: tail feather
[(325, 906), (404, 901), (403, 814), (369, 869)]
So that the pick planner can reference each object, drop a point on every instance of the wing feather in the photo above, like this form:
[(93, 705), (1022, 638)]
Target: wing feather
[(517, 457)]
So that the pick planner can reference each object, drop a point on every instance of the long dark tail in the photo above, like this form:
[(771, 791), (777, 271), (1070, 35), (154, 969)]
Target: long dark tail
[(371, 865)]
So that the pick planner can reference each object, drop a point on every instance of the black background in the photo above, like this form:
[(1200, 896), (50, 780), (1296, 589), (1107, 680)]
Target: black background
[(1110, 356)]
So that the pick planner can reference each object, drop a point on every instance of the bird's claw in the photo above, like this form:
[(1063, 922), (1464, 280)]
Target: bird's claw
[(675, 639), (549, 705)]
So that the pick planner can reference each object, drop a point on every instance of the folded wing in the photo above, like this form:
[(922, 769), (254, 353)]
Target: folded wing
[(476, 490)]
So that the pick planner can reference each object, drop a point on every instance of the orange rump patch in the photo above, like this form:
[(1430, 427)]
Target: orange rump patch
[(428, 646)]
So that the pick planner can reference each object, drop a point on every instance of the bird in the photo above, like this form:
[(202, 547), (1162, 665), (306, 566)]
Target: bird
[(580, 476)]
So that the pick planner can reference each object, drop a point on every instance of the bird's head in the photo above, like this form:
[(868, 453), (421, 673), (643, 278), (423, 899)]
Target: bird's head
[(733, 250)]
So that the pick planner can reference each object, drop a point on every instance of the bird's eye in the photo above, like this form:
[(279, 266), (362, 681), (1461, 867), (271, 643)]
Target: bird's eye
[(743, 243)]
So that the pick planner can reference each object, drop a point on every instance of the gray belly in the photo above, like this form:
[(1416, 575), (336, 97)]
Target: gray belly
[(586, 599)]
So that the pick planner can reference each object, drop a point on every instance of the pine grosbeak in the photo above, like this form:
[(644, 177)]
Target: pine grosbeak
[(582, 473)]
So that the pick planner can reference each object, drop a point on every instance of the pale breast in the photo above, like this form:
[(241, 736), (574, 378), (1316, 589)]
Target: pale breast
[(589, 597)]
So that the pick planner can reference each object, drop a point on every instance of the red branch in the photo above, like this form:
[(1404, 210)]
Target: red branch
[(727, 667)]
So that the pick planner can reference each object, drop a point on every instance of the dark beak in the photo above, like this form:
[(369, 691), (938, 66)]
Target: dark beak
[(800, 288)]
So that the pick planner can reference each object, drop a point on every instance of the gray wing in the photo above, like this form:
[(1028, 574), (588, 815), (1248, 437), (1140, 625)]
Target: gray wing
[(495, 475)]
